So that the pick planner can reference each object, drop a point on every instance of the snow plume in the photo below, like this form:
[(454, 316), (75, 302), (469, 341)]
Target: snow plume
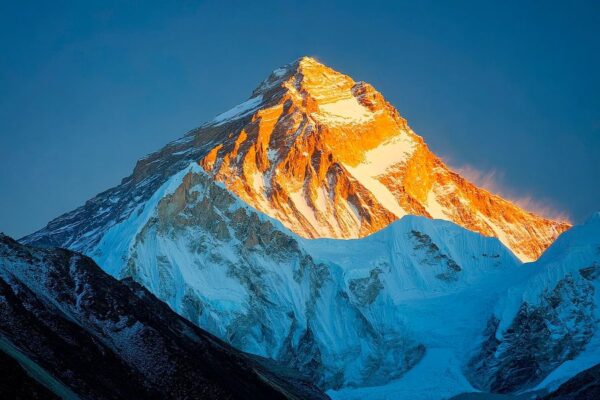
[(495, 182)]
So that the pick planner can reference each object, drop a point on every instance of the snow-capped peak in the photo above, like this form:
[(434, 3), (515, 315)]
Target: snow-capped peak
[(330, 157)]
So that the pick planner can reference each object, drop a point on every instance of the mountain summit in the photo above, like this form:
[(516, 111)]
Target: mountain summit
[(326, 156), (330, 157)]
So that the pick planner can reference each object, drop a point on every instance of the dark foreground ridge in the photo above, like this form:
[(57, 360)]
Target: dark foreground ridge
[(69, 330), (583, 386)]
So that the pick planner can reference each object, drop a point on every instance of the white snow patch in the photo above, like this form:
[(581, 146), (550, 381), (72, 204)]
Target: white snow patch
[(322, 199), (178, 153), (394, 151), (279, 72), (503, 237), (302, 205), (239, 111), (258, 182), (376, 162), (434, 208), (345, 111)]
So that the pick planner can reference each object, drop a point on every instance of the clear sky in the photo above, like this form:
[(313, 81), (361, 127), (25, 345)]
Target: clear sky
[(507, 92)]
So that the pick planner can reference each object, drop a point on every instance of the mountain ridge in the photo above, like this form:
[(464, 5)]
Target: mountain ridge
[(87, 335)]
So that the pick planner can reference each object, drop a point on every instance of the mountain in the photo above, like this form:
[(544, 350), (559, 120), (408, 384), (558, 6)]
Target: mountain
[(330, 157), (326, 156), (68, 330), (237, 226)]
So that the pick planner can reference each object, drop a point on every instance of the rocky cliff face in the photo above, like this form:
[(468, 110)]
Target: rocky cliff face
[(539, 339), (330, 157), (71, 331), (546, 327)]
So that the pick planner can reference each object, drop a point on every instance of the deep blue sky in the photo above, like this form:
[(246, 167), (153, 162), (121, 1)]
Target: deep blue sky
[(507, 92)]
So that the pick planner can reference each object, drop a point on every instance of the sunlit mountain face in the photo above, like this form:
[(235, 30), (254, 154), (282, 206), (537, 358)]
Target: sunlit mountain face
[(326, 156), (330, 157), (242, 227)]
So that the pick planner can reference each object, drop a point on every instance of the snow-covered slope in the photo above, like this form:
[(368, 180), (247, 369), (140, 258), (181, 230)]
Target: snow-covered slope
[(339, 310), (434, 279), (529, 328), (407, 310), (545, 329), (82, 334), (245, 278), (252, 282)]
